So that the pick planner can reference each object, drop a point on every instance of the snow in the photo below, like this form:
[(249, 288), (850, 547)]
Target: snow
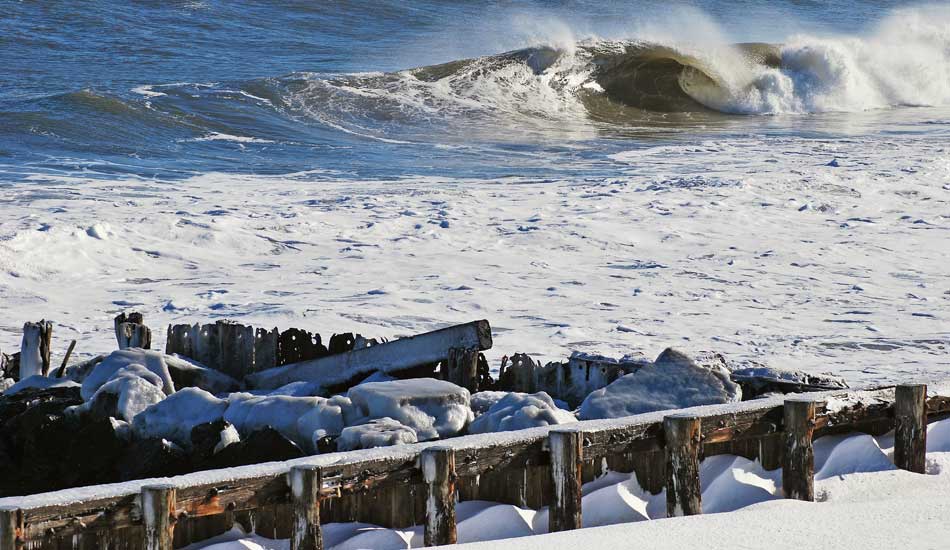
[(249, 413), (135, 388), (432, 408), (327, 418), (517, 411), (174, 417), (379, 432), (151, 360), (673, 381), (36, 381)]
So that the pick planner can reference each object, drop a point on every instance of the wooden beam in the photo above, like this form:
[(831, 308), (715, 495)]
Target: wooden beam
[(798, 466), (9, 527), (305, 482), (910, 436), (567, 456), (158, 513), (393, 356), (438, 471), (683, 438)]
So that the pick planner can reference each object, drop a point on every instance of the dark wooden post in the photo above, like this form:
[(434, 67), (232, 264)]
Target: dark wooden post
[(131, 332), (798, 467), (438, 470), (158, 511), (305, 483), (462, 368), (567, 455), (683, 492), (9, 522), (910, 437)]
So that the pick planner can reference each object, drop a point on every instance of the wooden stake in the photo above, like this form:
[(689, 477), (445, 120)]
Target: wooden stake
[(35, 349), (567, 454), (910, 437), (798, 468), (158, 511), (683, 438), (438, 470), (305, 483), (9, 523), (69, 352)]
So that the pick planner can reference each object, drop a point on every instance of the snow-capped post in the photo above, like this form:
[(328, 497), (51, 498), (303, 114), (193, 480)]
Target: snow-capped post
[(9, 522), (158, 509), (438, 470), (910, 434), (131, 332), (462, 368), (567, 455), (683, 436), (305, 483), (798, 467), (34, 349)]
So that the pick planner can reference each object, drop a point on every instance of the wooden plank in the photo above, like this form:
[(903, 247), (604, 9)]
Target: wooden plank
[(683, 439), (438, 470), (798, 468), (9, 527), (394, 356), (910, 435), (158, 512), (567, 458), (305, 484)]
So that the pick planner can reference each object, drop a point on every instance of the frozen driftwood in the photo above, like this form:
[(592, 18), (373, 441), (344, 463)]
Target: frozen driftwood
[(35, 349), (398, 355)]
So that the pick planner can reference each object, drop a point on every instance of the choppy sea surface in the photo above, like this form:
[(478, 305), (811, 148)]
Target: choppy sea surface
[(766, 179)]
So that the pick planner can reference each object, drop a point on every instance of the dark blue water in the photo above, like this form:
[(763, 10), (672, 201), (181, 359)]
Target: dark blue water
[(170, 89)]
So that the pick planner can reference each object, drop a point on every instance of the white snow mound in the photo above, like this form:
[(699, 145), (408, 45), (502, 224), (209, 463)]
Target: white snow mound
[(380, 432), (153, 361), (518, 411), (174, 417), (432, 408), (136, 388)]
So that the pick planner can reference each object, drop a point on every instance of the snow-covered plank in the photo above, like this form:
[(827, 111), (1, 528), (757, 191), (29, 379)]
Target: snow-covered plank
[(401, 354)]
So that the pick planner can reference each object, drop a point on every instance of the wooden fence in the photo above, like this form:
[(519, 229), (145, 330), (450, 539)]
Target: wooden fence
[(152, 515)]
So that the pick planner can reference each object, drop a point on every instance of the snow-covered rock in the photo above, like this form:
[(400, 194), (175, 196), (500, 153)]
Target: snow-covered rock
[(249, 413), (151, 360), (174, 417), (327, 418), (757, 379), (432, 408), (300, 388), (37, 381), (130, 390), (483, 400), (674, 381), (517, 411), (379, 432)]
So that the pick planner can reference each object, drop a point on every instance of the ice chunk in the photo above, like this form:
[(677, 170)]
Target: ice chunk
[(327, 418), (483, 400), (174, 417), (674, 381), (36, 381), (151, 360), (432, 408), (249, 413), (380, 432), (130, 390), (517, 411), (299, 389)]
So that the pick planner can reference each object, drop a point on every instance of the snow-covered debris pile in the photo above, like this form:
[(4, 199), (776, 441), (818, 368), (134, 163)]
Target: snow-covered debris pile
[(327, 419), (432, 408), (175, 417), (187, 373), (152, 361), (37, 381), (249, 413), (757, 379), (517, 411), (674, 381), (379, 432), (129, 390)]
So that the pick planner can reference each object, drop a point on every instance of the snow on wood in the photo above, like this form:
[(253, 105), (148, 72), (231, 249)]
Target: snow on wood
[(158, 509), (567, 455), (438, 471), (683, 494), (35, 349), (305, 484)]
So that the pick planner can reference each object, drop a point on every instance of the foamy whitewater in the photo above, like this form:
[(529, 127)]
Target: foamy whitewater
[(771, 181)]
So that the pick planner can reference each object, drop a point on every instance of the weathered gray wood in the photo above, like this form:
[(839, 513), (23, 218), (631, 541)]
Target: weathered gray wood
[(567, 458), (305, 484), (683, 438), (393, 356), (35, 349), (158, 513), (265, 348), (798, 467), (438, 471), (9, 524), (910, 436), (462, 368), (131, 332)]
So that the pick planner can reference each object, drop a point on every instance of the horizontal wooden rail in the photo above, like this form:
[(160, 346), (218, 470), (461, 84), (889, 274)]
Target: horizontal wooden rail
[(115, 506)]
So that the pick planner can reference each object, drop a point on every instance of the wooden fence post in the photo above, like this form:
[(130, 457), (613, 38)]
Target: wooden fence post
[(910, 437), (567, 455), (438, 470), (9, 522), (683, 438), (35, 349), (798, 466), (158, 509), (305, 483)]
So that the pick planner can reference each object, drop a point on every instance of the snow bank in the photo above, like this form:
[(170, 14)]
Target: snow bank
[(380, 432), (432, 408), (674, 381), (151, 360), (37, 381), (516, 411), (174, 417)]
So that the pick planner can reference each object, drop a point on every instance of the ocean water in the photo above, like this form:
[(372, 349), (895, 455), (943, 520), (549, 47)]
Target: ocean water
[(768, 179)]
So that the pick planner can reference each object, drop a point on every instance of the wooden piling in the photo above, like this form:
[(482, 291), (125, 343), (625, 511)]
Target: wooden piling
[(910, 437), (462, 367), (567, 455), (35, 349), (131, 332), (798, 466), (158, 511), (438, 470), (683, 438), (9, 522), (305, 482)]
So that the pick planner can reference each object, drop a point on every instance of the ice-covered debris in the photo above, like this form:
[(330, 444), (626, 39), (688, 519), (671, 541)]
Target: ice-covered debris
[(174, 417), (432, 408), (299, 389), (674, 381), (757, 379), (249, 413), (186, 372), (130, 390), (483, 400), (379, 432), (151, 360), (377, 376), (517, 411), (37, 381), (327, 418)]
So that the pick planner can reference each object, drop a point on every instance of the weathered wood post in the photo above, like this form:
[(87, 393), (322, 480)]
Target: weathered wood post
[(462, 368), (798, 466), (305, 483), (131, 332), (567, 455), (35, 349), (9, 522), (158, 511), (683, 437), (438, 470), (910, 434)]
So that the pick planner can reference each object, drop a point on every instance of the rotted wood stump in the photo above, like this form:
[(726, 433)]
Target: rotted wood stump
[(683, 439), (910, 434), (798, 467), (305, 482), (438, 470), (567, 456)]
